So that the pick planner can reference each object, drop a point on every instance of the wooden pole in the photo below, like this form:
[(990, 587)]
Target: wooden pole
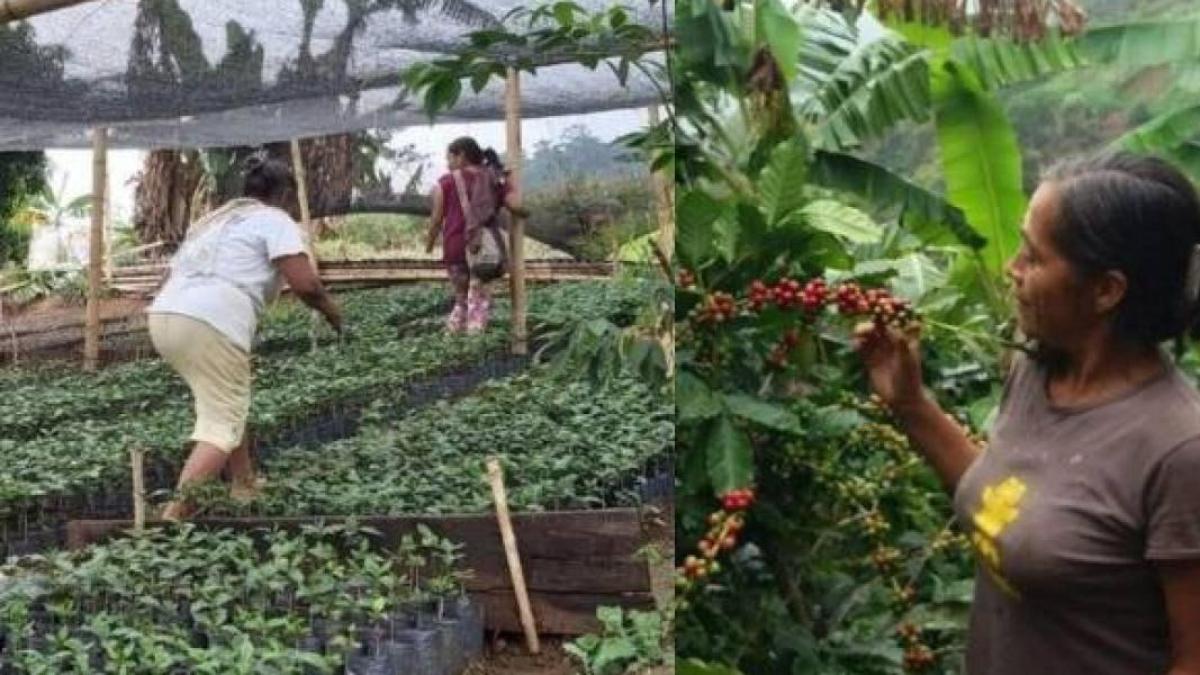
[(108, 235), (496, 478), (137, 460), (664, 196), (91, 337), (306, 221), (512, 114), (15, 10)]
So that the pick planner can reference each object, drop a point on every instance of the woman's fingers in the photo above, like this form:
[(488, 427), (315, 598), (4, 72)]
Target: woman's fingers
[(874, 344), (864, 334)]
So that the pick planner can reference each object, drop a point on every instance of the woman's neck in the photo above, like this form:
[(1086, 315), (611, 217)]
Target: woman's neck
[(1101, 369)]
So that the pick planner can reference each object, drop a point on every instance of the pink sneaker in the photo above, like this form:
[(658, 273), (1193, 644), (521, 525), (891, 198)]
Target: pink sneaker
[(479, 305)]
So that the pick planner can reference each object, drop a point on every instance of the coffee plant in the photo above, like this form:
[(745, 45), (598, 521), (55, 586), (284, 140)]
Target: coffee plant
[(66, 439), (542, 427), (628, 642), (812, 538), (182, 600)]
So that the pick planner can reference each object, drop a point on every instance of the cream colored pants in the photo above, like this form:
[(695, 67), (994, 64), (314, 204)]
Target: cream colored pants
[(216, 370)]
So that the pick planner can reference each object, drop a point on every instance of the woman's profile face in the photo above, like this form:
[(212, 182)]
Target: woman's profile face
[(1052, 300), (454, 161)]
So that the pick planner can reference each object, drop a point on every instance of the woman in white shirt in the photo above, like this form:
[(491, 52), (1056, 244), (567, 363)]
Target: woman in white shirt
[(204, 319)]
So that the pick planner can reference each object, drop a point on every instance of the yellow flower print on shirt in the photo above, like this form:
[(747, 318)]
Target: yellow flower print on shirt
[(998, 508)]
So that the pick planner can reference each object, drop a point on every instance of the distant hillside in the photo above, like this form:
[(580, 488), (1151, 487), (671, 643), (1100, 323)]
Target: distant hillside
[(577, 155)]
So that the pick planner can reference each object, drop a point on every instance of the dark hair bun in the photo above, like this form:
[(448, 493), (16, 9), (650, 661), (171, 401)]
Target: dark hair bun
[(490, 158), (266, 178), (254, 162)]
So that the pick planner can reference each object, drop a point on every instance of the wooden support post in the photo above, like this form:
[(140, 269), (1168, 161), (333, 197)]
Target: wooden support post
[(91, 337), (306, 221), (664, 197), (15, 10), (512, 114), (496, 478), (137, 460), (108, 236)]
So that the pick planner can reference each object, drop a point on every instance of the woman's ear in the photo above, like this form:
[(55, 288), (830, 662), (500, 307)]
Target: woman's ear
[(1109, 290)]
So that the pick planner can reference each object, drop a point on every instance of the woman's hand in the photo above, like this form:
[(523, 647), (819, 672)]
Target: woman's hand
[(893, 362)]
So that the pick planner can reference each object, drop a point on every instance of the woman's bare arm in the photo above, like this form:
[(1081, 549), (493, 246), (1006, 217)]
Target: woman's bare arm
[(436, 216), (1181, 588), (306, 285)]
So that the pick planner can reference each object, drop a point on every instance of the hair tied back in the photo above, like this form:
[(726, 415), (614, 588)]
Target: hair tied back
[(256, 160), (1192, 282)]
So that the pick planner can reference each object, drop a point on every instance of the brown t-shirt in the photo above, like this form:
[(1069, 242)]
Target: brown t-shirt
[(1067, 512)]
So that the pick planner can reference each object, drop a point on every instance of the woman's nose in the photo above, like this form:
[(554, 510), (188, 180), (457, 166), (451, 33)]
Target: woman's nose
[(1011, 271)]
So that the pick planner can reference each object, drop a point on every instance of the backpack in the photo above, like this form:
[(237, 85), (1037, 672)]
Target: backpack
[(487, 222)]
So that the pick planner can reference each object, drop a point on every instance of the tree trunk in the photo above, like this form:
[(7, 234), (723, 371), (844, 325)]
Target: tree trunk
[(329, 163), (164, 198)]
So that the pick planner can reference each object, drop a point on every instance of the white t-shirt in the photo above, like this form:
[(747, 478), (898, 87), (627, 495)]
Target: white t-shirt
[(224, 274)]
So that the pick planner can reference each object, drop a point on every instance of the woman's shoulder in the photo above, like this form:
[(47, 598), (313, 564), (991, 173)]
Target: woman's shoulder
[(1177, 403), (273, 216), (446, 181)]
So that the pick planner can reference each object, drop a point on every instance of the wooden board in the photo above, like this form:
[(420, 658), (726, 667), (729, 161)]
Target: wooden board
[(575, 561), (144, 279)]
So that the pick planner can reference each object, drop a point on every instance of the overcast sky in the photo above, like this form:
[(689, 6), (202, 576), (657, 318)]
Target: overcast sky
[(75, 166)]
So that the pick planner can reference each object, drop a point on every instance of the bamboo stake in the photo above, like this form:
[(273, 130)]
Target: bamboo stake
[(496, 478), (15, 10), (137, 459), (91, 339), (108, 235), (664, 194), (512, 114), (302, 197)]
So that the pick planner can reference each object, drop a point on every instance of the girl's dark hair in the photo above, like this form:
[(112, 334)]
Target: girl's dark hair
[(1140, 216), (469, 148), (267, 179)]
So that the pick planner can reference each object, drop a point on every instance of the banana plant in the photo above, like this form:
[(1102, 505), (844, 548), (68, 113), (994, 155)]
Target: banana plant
[(849, 90)]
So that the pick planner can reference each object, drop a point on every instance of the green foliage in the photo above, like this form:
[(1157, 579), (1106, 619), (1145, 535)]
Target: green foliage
[(575, 157), (628, 641), (530, 38), (1003, 63), (181, 599), (780, 32), (22, 178), (542, 427), (876, 184), (849, 537), (590, 217), (1172, 135), (71, 434), (380, 232), (621, 344), (1142, 43), (981, 162)]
